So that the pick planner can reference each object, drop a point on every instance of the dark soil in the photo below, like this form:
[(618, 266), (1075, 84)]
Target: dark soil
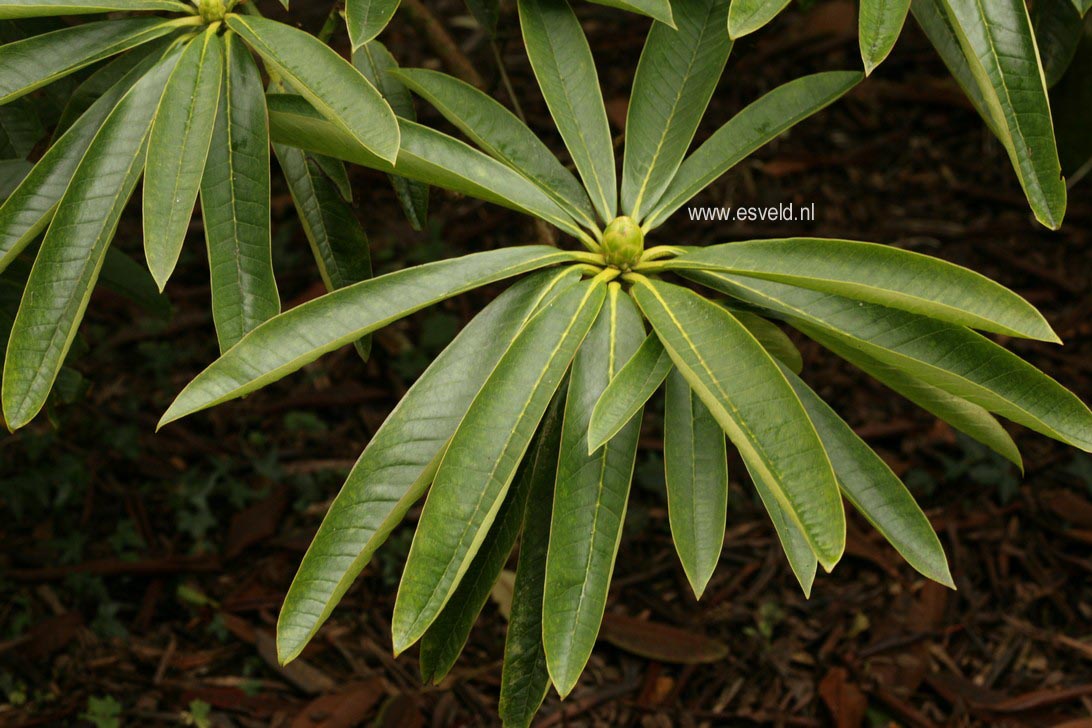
[(149, 569)]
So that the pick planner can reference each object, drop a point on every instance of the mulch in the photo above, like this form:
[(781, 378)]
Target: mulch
[(183, 610)]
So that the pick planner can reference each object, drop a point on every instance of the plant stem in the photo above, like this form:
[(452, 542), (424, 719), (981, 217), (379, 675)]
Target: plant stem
[(330, 26)]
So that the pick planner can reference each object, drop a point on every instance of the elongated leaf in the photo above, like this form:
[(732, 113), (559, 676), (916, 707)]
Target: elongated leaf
[(747, 16), (878, 274), (797, 550), (338, 241), (524, 677), (999, 46), (562, 62), (29, 64), (759, 123), (126, 277), (742, 386), (880, 24), (932, 18), (335, 88), (444, 640), (102, 80), (1083, 6), (590, 498), (1070, 100), (367, 19), (377, 64), (483, 454), (1058, 30), (773, 340), (297, 337), (628, 390), (12, 9), (676, 77), (953, 358), (72, 253), (696, 472), (425, 155), (20, 130), (874, 490), (177, 149), (502, 135), (968, 418), (401, 460), (30, 207), (235, 193), (656, 9)]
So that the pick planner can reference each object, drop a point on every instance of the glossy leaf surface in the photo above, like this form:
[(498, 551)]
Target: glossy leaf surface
[(743, 387), (563, 64), (367, 18), (696, 472), (74, 248), (481, 459), (754, 126), (878, 274), (178, 147), (590, 497), (29, 64), (235, 203), (330, 83), (879, 25), (401, 460), (629, 389), (677, 74)]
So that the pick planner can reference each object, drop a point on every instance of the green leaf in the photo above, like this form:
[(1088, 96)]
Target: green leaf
[(656, 9), (932, 17), (874, 490), (1058, 29), (338, 241), (426, 155), (336, 89), (878, 274), (968, 418), (445, 639), (288, 342), (74, 248), (562, 62), (801, 558), (524, 677), (126, 277), (20, 130), (759, 123), (999, 46), (104, 78), (880, 24), (628, 391), (483, 454), (747, 16), (235, 203), (401, 460), (1083, 6), (177, 149), (744, 389), (29, 64), (696, 472), (502, 136), (377, 64), (590, 497), (773, 340), (13, 9), (1070, 101), (367, 19), (30, 207), (677, 74), (953, 358)]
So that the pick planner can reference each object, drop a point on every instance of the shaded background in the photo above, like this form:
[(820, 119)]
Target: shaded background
[(141, 574)]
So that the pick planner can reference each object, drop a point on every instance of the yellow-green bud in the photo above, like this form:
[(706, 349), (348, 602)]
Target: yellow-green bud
[(213, 10), (623, 243)]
